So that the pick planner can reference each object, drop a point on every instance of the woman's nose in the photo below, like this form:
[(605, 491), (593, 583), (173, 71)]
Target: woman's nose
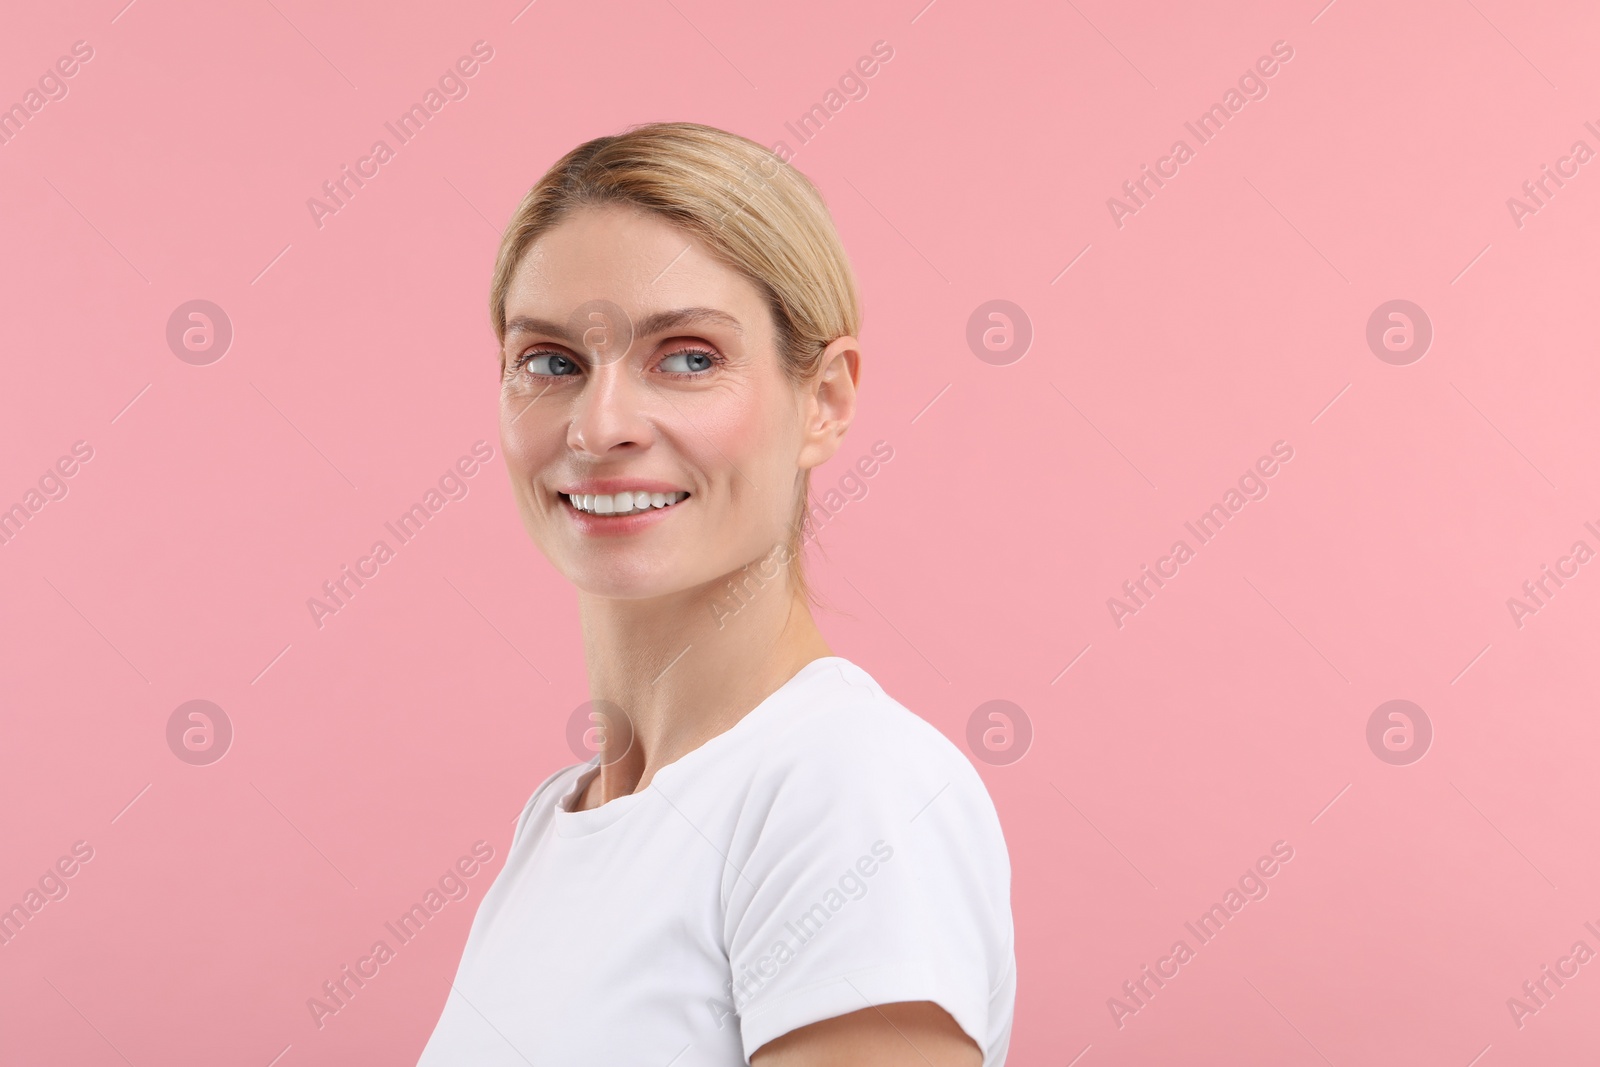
[(608, 412)]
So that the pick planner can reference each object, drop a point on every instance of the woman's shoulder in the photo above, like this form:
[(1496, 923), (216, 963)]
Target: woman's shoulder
[(850, 715), (848, 739), (550, 792)]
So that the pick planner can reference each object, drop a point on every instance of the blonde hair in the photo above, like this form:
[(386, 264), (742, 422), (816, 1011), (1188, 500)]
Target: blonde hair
[(752, 210)]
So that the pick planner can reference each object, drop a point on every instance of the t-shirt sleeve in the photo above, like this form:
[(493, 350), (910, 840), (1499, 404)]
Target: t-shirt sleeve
[(870, 869)]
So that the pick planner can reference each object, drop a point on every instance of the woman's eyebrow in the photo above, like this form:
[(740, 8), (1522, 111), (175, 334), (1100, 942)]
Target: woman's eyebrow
[(652, 324)]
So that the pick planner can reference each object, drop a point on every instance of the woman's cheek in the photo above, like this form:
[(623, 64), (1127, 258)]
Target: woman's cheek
[(737, 423), (529, 434), (751, 446), (526, 456)]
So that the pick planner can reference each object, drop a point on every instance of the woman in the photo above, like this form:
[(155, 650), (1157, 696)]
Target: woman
[(768, 860)]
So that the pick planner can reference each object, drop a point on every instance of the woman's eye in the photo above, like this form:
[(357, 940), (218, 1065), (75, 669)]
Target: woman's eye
[(549, 364), (689, 361)]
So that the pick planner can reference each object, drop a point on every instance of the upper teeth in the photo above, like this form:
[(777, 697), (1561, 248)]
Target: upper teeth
[(623, 503)]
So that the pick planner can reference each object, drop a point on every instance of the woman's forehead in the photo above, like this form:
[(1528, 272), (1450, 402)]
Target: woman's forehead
[(616, 244), (643, 270)]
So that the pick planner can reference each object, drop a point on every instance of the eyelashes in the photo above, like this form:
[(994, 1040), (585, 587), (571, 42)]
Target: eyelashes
[(527, 357), (713, 360), (572, 365)]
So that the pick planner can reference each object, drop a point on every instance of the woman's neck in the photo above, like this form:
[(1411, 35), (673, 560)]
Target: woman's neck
[(684, 668)]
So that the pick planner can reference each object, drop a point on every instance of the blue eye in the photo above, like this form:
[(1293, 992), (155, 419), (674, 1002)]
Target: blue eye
[(689, 361), (548, 364)]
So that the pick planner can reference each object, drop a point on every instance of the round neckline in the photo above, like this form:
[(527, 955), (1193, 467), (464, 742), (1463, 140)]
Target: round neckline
[(592, 820)]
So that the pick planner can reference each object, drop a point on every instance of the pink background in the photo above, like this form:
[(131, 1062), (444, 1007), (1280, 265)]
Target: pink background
[(1229, 313)]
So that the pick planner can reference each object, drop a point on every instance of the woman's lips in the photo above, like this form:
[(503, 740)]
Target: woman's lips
[(618, 485), (592, 522)]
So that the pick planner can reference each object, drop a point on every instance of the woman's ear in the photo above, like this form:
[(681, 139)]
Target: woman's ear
[(830, 401)]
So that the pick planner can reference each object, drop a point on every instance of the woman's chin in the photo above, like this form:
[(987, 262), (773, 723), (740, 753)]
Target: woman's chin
[(628, 582)]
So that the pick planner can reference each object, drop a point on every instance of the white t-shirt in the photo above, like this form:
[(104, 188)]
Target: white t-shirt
[(829, 852)]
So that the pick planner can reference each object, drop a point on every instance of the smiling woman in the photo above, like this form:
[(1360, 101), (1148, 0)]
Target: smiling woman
[(677, 354)]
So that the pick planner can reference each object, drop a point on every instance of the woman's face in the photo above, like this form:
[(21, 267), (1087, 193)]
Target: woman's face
[(635, 363)]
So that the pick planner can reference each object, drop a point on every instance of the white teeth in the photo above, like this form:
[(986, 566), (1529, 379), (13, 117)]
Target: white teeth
[(627, 503)]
